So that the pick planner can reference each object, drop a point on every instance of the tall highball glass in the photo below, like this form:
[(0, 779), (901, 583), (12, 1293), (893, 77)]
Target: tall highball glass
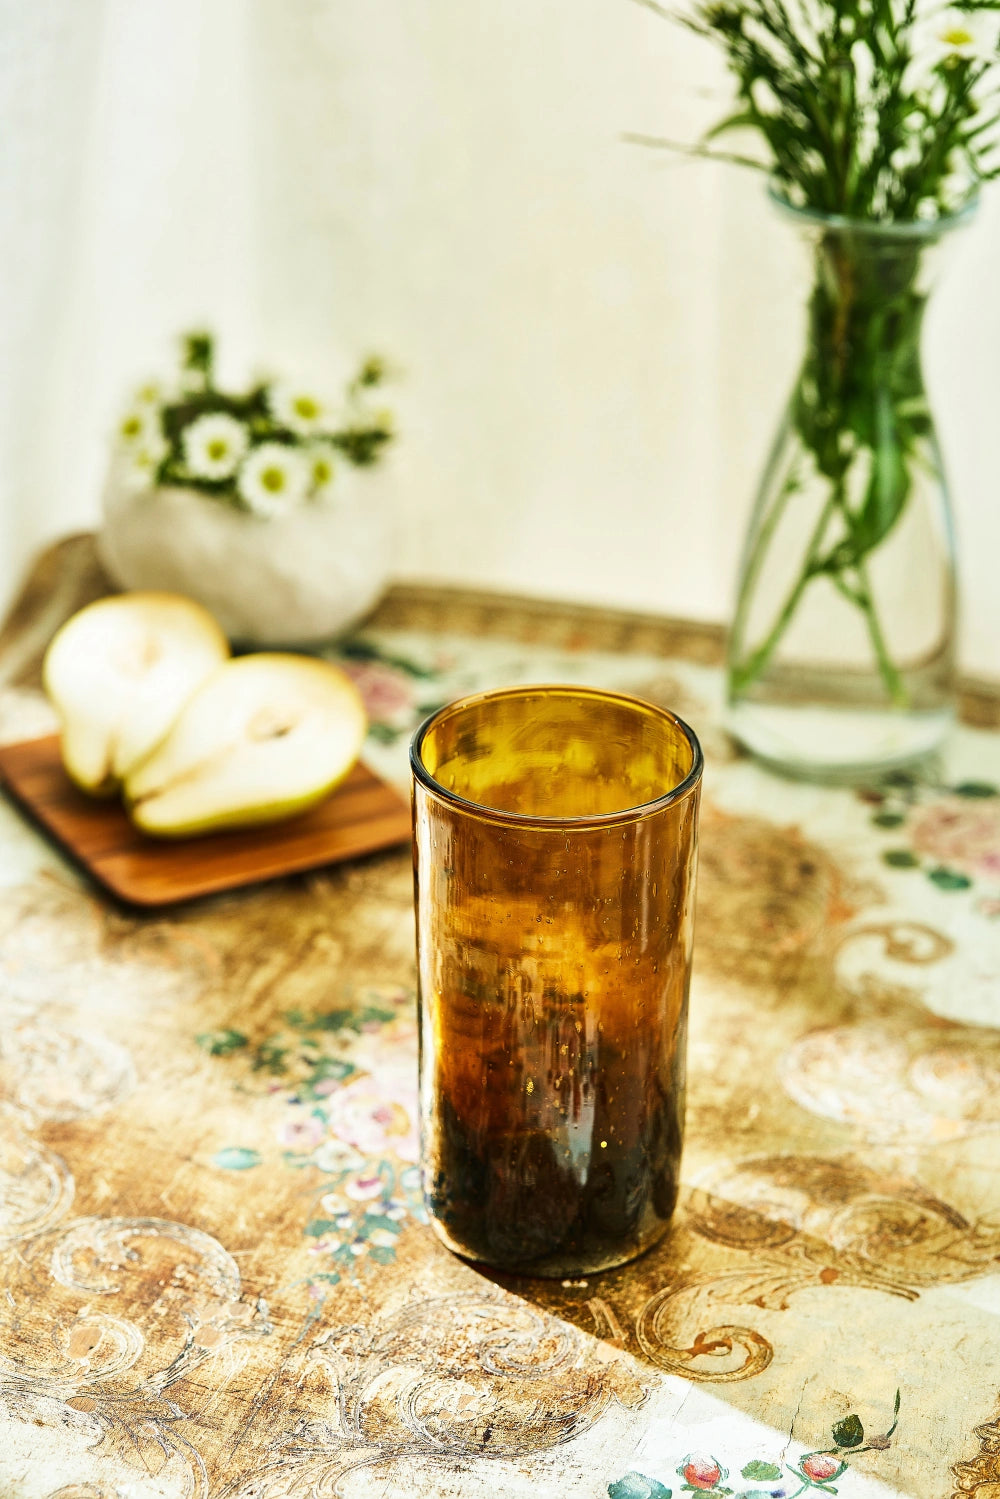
[(555, 837)]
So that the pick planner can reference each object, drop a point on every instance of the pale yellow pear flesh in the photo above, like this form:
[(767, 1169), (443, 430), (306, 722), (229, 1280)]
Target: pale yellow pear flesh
[(265, 737), (119, 672)]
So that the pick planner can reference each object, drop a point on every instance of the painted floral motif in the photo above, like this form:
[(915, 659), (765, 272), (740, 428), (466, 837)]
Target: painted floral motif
[(312, 1055), (952, 832), (703, 1473), (378, 1113), (397, 692), (388, 693), (361, 1218), (351, 1115), (962, 834), (820, 1467), (363, 1137)]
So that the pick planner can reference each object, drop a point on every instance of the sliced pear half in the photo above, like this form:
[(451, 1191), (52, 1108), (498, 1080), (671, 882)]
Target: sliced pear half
[(119, 672), (265, 737)]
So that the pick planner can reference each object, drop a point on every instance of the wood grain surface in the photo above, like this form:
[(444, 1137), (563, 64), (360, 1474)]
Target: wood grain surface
[(362, 816)]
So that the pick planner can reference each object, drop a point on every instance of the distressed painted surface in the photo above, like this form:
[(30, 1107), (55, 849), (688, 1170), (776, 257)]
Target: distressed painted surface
[(215, 1277)]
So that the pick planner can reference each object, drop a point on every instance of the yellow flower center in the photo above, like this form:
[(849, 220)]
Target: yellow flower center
[(322, 471), (131, 426), (306, 408), (218, 449), (273, 479), (957, 36)]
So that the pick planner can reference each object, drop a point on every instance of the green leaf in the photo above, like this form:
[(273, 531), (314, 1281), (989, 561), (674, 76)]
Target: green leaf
[(758, 1469), (743, 119), (333, 1020), (383, 734), (379, 1220), (637, 1486), (976, 789), (197, 355), (270, 1057), (363, 650), (895, 1415), (900, 858), (236, 1158), (374, 1015), (849, 1432), (318, 1227), (888, 819), (221, 1043), (883, 503), (948, 879), (382, 1254)]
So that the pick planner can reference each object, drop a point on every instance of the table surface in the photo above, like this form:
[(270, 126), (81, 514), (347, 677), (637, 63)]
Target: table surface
[(216, 1275)]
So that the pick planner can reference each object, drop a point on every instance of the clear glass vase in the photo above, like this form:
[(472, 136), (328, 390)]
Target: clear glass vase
[(841, 655)]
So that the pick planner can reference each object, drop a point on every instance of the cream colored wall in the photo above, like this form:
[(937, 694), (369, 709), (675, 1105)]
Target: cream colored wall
[(594, 340)]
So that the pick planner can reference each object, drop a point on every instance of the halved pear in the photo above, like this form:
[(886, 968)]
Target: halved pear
[(264, 737), (119, 672)]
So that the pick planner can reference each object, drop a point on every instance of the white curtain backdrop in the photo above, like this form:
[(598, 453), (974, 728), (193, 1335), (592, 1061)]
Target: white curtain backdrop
[(593, 340)]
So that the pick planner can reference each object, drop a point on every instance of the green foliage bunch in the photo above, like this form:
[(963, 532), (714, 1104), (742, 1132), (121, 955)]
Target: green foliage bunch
[(870, 109), (264, 450), (876, 121)]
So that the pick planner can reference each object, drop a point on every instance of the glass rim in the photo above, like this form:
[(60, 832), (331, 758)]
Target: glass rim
[(907, 229), (677, 793)]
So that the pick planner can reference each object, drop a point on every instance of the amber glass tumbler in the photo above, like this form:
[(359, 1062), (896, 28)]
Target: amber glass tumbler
[(555, 835)]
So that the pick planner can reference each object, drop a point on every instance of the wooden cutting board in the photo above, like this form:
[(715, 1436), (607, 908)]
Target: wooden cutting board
[(362, 816)]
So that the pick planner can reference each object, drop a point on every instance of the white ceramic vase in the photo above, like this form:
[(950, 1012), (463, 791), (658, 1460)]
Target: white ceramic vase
[(294, 579)]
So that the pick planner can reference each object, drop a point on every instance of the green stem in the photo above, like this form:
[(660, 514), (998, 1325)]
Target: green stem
[(743, 674), (896, 688), (862, 597), (759, 550)]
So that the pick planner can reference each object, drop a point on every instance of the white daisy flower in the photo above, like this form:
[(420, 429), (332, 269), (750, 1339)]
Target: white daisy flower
[(139, 427), (327, 470), (370, 406), (301, 411), (961, 34), (273, 478), (214, 445), (143, 461)]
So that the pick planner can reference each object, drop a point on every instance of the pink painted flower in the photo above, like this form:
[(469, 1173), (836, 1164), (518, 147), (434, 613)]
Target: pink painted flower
[(363, 1188), (701, 1471), (325, 1244), (334, 1155), (301, 1132), (377, 1114), (821, 1466), (961, 834), (386, 691)]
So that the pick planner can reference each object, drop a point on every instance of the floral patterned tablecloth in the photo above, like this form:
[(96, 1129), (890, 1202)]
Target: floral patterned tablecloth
[(217, 1279)]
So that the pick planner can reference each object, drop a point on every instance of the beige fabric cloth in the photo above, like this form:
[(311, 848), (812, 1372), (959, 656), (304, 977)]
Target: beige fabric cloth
[(215, 1279)]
